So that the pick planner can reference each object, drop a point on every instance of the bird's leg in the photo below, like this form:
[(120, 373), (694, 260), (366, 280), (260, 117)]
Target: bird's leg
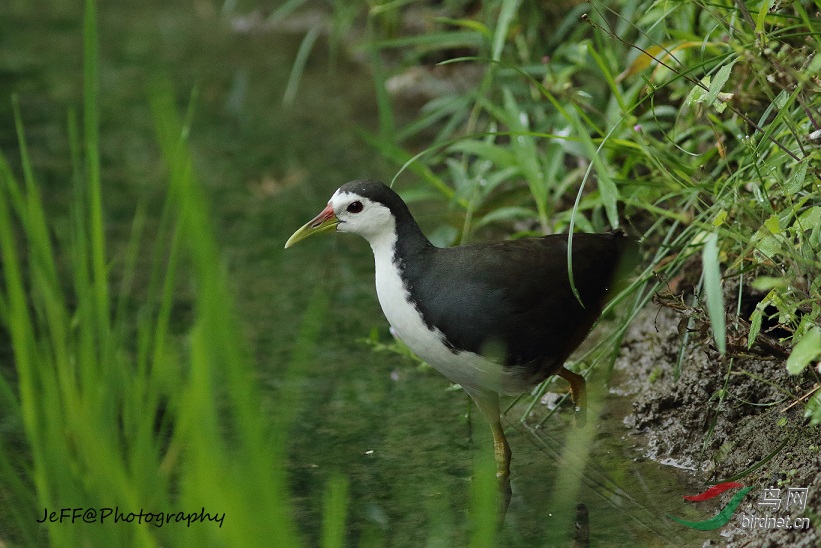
[(502, 453), (501, 450), (578, 389), (488, 403)]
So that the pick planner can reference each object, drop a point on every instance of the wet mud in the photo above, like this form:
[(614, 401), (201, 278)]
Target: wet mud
[(721, 417)]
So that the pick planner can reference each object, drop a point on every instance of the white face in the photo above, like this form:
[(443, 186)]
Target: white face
[(362, 216)]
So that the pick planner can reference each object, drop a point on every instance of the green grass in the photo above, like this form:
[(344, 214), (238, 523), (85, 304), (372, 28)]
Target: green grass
[(696, 124), (110, 409)]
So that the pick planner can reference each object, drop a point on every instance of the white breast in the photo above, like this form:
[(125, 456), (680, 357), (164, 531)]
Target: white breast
[(464, 368)]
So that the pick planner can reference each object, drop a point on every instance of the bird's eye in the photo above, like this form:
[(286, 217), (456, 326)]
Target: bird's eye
[(354, 207)]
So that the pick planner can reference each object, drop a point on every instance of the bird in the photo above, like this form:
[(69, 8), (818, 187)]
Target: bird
[(493, 317)]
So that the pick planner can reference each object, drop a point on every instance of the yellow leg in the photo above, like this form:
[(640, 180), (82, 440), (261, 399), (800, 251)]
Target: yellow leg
[(488, 403), (500, 449), (578, 389)]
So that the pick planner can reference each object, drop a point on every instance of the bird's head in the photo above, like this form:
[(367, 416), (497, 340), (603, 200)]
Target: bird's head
[(361, 207)]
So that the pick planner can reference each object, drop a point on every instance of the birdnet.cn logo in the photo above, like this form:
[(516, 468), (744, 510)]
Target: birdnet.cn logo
[(773, 500)]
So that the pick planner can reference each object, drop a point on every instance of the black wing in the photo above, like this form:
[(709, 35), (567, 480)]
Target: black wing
[(512, 301)]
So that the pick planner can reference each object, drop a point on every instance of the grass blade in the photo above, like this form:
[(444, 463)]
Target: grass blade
[(713, 291), (336, 503), (91, 127), (299, 66)]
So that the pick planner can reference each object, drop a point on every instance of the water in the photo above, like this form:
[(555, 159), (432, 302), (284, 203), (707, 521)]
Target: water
[(396, 431)]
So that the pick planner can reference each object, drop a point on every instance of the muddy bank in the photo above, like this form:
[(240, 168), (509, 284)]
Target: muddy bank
[(720, 419)]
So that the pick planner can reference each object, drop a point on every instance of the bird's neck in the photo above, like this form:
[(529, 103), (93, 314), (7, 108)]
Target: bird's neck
[(399, 252), (402, 241)]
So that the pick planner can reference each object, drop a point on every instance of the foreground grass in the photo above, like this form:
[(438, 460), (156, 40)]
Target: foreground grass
[(115, 416), (142, 440)]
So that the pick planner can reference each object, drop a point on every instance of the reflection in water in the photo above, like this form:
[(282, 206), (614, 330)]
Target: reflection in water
[(581, 534)]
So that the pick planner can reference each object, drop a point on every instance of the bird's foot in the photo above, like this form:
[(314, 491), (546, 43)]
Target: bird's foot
[(578, 389), (503, 502), (581, 416)]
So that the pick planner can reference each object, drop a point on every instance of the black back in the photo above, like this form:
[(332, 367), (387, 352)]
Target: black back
[(514, 297)]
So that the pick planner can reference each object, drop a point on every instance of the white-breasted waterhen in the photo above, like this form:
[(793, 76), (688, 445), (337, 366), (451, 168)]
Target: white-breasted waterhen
[(496, 318)]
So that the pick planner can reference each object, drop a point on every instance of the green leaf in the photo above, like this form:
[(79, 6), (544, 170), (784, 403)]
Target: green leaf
[(781, 99), (511, 213), (755, 325), (508, 12), (721, 78), (499, 155), (496, 178), (298, 66), (813, 409), (525, 152), (433, 41), (768, 245), (469, 24), (696, 94), (805, 350), (815, 65), (772, 224), (766, 283), (713, 291), (796, 181), (763, 11), (608, 191), (810, 219)]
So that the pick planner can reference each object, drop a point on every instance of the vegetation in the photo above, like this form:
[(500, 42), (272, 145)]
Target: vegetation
[(115, 415), (696, 123)]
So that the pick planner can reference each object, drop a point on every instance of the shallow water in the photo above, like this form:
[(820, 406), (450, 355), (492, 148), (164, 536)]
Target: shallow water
[(395, 430)]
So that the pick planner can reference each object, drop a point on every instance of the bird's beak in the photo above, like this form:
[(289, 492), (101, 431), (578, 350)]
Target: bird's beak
[(324, 222)]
